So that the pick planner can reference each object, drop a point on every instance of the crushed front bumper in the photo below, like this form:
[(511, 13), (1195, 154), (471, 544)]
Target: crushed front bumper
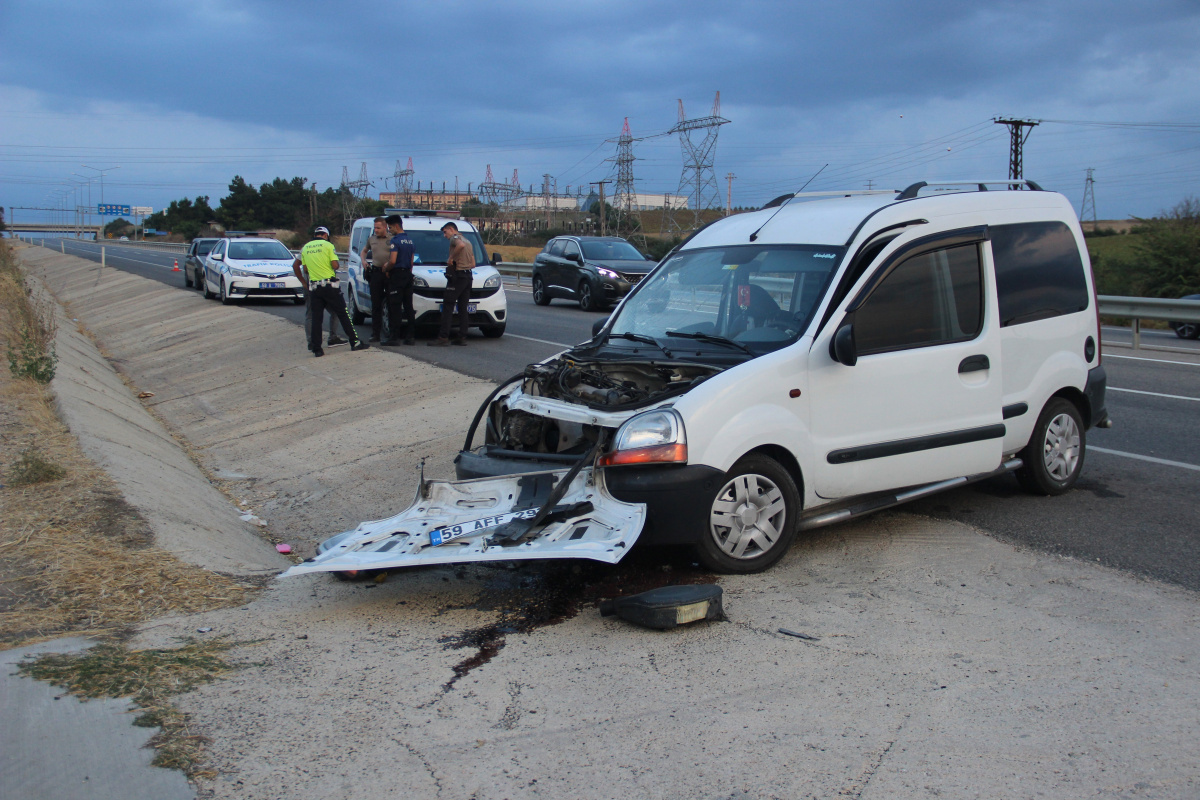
[(455, 522)]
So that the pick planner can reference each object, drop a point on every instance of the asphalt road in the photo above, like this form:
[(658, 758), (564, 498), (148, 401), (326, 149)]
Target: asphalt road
[(1134, 507)]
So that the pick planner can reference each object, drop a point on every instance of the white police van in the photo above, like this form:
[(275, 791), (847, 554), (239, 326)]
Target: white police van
[(488, 306), (829, 355)]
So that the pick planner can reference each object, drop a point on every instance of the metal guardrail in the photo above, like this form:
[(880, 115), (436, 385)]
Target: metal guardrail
[(1136, 309), (515, 268)]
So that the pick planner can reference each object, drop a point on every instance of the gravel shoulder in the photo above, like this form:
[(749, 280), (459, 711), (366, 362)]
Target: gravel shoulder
[(947, 663)]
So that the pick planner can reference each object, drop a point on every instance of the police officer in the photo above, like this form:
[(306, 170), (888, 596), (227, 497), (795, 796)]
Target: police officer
[(399, 275), (375, 257), (459, 277), (319, 277)]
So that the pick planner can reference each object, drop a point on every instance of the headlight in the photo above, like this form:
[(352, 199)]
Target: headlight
[(418, 281), (492, 282), (240, 273), (655, 437), (607, 273)]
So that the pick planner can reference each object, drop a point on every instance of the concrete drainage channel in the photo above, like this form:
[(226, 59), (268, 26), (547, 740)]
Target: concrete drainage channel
[(943, 661)]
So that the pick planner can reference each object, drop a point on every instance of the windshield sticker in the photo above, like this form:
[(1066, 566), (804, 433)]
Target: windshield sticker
[(823, 255), (744, 296), (730, 266)]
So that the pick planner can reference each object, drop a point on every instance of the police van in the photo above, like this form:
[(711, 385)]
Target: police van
[(488, 306), (827, 356)]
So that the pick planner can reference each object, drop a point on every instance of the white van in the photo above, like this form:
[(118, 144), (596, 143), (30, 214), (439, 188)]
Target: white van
[(488, 306), (824, 357)]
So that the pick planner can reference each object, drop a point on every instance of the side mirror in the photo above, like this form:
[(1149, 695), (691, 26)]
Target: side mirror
[(841, 348), (218, 257), (578, 259), (599, 324), (496, 259)]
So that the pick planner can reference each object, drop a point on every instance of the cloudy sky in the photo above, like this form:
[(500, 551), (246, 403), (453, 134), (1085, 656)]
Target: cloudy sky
[(184, 96)]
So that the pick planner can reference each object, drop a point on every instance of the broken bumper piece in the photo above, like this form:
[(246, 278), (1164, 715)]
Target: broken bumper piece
[(457, 522)]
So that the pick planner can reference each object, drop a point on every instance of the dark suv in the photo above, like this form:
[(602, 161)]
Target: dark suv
[(596, 271)]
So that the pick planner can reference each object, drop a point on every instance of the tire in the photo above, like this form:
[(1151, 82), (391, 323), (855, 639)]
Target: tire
[(204, 288), (1054, 456), (298, 301), (587, 298), (756, 488), (539, 292), (187, 277), (1187, 330), (493, 331), (226, 300), (356, 316)]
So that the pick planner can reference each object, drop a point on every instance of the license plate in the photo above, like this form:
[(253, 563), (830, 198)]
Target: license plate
[(271, 285), (471, 307), (450, 532)]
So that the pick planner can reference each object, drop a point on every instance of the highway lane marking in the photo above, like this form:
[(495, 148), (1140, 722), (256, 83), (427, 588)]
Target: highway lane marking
[(1156, 394), (540, 341), (135, 260), (1156, 360), (1151, 459)]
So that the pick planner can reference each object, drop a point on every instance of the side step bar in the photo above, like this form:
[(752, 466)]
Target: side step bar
[(823, 516)]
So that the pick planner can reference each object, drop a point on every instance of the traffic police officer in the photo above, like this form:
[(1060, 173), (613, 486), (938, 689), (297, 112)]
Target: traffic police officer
[(319, 277)]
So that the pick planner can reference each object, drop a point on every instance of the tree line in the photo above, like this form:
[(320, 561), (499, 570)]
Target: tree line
[(281, 205)]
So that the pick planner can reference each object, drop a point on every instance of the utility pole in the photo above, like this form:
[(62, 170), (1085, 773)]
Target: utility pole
[(1016, 168), (602, 214), (729, 193), (1089, 199)]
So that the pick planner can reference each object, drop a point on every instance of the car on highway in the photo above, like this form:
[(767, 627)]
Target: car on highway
[(594, 271), (825, 357), (193, 262), (488, 306), (237, 269), (1187, 330)]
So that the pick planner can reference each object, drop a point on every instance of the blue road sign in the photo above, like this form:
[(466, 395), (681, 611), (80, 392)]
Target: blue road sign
[(113, 210)]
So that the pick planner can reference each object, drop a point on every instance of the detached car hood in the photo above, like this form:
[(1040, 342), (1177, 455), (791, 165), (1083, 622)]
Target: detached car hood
[(454, 522)]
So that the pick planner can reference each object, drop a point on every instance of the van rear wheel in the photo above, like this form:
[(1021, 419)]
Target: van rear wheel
[(752, 517), (1053, 458)]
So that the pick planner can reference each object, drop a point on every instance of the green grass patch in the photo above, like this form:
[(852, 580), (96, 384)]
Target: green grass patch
[(150, 678), (32, 467)]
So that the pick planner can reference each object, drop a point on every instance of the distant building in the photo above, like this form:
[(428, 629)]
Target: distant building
[(643, 201), (427, 199)]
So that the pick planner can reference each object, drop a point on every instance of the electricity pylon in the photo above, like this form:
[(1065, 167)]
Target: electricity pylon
[(698, 180)]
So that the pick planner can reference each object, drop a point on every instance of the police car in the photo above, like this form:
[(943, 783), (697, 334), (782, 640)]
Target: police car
[(488, 307), (236, 269)]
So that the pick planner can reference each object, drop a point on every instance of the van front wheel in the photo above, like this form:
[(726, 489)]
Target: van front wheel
[(1054, 456), (752, 518)]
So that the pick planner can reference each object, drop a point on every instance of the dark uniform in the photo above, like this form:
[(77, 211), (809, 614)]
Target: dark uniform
[(400, 289), (324, 292)]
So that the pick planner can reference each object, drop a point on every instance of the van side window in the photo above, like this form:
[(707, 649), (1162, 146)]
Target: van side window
[(1039, 273), (932, 298)]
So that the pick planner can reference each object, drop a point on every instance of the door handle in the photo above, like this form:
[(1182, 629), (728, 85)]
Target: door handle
[(974, 364)]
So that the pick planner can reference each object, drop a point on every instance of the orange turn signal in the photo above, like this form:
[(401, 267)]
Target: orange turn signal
[(659, 454)]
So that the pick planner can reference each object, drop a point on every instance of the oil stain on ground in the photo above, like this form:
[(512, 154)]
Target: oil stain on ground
[(532, 596)]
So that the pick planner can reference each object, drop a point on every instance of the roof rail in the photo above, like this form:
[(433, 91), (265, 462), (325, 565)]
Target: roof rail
[(783, 198), (981, 186)]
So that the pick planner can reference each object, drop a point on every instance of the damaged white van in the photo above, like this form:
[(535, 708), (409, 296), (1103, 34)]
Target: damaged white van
[(827, 356)]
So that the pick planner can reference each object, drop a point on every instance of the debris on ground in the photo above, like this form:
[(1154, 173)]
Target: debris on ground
[(668, 606)]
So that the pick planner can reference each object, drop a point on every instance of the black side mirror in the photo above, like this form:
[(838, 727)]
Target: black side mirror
[(599, 324), (496, 259), (578, 259), (841, 348)]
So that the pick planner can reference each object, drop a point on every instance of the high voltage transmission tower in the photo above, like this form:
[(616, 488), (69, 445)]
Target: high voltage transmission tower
[(698, 180), (353, 193), (501, 200), (625, 202), (1016, 168), (1089, 199), (403, 178)]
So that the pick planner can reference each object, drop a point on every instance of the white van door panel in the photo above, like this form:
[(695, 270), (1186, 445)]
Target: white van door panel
[(923, 402)]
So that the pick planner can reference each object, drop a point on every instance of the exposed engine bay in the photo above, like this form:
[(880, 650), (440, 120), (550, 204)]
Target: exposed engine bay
[(608, 386)]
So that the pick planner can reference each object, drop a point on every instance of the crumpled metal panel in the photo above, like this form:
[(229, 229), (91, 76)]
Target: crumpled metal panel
[(465, 516)]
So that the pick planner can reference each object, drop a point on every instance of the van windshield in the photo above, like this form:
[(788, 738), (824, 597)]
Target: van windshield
[(761, 297), (433, 248)]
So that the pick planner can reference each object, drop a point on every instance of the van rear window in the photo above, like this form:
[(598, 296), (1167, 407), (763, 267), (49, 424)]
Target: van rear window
[(1039, 273)]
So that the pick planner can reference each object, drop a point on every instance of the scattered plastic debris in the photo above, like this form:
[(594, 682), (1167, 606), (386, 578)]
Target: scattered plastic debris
[(203, 630), (798, 635), (144, 395), (284, 548), (668, 606), (253, 520)]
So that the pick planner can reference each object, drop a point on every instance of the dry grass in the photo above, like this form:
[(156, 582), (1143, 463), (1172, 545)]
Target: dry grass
[(74, 556), (150, 678)]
